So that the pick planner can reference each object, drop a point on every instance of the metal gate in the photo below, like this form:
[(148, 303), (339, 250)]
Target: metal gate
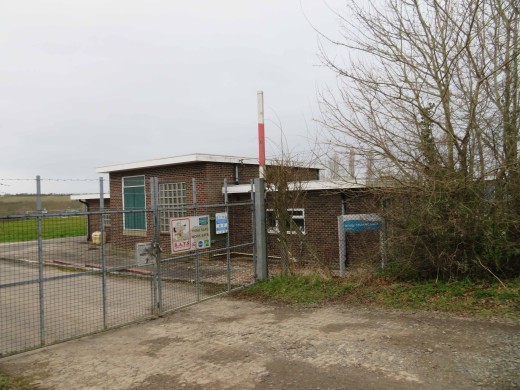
[(56, 286)]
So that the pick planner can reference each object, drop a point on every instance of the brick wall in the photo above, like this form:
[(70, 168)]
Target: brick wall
[(209, 181), (94, 220), (321, 230)]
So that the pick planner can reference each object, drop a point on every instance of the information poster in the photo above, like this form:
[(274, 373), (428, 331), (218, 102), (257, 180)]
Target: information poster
[(190, 233)]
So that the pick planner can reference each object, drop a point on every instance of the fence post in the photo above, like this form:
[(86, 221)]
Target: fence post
[(252, 192), (103, 258), (40, 260), (197, 259), (156, 217), (228, 250), (342, 247), (260, 230)]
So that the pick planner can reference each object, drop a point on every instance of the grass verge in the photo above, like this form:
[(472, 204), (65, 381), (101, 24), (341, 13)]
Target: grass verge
[(10, 383), (482, 298), (52, 227)]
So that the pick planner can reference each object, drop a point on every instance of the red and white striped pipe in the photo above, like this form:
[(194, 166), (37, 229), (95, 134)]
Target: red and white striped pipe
[(261, 134)]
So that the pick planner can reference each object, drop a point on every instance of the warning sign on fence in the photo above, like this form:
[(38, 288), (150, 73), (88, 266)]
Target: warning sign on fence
[(189, 233)]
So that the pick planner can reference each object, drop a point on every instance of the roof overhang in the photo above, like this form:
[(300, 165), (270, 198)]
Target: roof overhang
[(188, 158), (310, 185), (88, 196)]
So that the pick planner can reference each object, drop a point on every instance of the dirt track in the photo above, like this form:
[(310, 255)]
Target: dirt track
[(230, 344)]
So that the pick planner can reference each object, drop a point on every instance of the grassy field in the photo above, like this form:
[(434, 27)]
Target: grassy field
[(27, 229), (19, 204), (481, 298)]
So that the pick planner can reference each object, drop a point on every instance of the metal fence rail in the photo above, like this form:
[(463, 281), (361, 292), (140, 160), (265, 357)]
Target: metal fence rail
[(56, 285)]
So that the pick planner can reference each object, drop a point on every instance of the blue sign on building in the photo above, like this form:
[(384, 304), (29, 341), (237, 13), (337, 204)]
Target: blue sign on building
[(353, 223), (221, 223), (360, 226)]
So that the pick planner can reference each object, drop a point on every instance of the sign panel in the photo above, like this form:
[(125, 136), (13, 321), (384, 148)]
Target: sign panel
[(221, 223), (360, 226), (200, 234), (144, 254), (189, 233), (353, 223), (180, 234)]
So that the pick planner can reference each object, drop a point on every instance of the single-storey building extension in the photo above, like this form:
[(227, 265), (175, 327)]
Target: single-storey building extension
[(92, 205)]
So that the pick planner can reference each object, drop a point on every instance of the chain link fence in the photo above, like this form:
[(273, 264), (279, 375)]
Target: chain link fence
[(65, 274)]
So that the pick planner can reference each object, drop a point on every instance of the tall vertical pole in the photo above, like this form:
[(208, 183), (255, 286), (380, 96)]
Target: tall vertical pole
[(261, 133), (103, 258), (197, 258), (156, 244), (253, 223), (40, 259), (352, 164), (228, 249), (260, 231)]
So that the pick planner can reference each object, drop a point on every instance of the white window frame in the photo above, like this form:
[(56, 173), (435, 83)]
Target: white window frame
[(169, 197), (276, 229)]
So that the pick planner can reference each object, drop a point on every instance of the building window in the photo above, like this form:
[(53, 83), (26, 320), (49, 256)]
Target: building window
[(107, 219), (134, 198), (296, 221), (171, 195)]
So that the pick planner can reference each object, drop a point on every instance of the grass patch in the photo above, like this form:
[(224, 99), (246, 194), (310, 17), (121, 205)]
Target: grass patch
[(298, 289), (485, 298), (19, 204), (52, 227), (10, 383)]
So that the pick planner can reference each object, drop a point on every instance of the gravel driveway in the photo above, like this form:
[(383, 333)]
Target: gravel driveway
[(226, 343)]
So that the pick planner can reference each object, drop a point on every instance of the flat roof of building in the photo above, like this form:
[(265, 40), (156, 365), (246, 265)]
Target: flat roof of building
[(309, 185), (188, 158), (88, 196)]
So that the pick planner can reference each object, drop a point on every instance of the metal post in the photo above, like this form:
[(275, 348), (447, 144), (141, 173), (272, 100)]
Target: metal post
[(228, 250), (342, 242), (154, 189), (260, 230), (253, 225), (103, 258), (197, 258), (382, 239), (40, 260)]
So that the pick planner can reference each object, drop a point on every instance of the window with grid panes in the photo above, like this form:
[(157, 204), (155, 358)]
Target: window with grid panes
[(106, 219), (171, 195)]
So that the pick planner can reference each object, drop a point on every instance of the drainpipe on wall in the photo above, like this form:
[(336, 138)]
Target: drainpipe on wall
[(236, 179)]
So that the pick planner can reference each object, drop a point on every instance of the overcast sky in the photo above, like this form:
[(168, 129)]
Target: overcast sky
[(89, 83)]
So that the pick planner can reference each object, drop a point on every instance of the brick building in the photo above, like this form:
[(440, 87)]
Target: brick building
[(315, 214), (92, 205)]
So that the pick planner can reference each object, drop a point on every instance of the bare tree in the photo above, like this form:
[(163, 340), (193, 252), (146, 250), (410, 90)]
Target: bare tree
[(285, 178), (430, 96)]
